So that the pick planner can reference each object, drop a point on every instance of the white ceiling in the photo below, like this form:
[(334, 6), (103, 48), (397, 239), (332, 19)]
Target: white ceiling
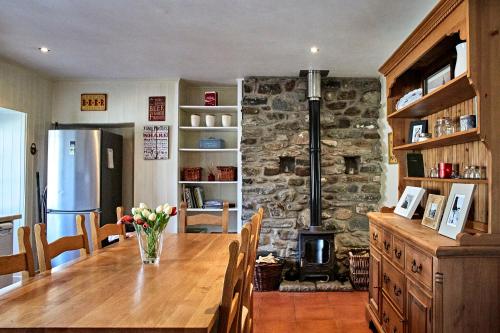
[(204, 40)]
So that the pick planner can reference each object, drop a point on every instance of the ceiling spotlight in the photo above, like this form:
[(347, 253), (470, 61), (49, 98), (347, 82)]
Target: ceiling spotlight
[(44, 49), (314, 49)]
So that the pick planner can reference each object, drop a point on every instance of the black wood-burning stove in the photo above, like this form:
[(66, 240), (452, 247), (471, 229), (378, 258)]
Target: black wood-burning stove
[(316, 245)]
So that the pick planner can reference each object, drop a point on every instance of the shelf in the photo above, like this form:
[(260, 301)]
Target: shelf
[(209, 209), (207, 182), (218, 108), (453, 92), (208, 150), (447, 180), (442, 141), (219, 128)]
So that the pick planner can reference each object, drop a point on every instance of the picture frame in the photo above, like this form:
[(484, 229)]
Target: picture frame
[(433, 211), (409, 201), (437, 79), (417, 127), (457, 210), (93, 102), (390, 149)]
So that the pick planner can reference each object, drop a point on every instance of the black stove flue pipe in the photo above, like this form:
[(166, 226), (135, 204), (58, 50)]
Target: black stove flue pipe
[(314, 96)]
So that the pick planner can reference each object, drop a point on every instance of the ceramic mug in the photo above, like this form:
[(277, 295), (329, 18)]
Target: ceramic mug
[(226, 120), (209, 120), (195, 120)]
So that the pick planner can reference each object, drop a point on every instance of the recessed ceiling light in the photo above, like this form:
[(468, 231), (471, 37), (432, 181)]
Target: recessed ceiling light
[(44, 49), (314, 49)]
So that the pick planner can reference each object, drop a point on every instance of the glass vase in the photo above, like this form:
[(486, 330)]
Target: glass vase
[(150, 245)]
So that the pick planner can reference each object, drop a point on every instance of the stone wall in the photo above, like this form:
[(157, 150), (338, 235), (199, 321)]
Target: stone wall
[(276, 160)]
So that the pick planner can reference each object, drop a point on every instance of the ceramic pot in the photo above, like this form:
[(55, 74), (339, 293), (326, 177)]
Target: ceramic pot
[(226, 120), (209, 120), (461, 64), (195, 120)]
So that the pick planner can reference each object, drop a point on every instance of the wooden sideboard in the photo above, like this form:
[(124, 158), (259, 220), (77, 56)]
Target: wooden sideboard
[(423, 282)]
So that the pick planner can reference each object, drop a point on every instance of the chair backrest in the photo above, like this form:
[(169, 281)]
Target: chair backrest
[(23, 261), (101, 233), (48, 251), (119, 212), (204, 219), (260, 214), (247, 299), (230, 307)]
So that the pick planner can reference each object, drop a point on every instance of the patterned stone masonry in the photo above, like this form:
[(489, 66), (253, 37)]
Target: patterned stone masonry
[(276, 160)]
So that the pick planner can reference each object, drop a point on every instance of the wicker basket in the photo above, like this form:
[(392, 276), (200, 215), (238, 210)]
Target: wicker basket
[(226, 173), (191, 174), (359, 263), (267, 277)]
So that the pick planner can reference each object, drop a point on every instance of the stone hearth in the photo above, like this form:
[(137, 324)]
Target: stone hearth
[(276, 160)]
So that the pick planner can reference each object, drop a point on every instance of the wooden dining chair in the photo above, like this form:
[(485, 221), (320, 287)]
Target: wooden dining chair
[(204, 218), (21, 262), (48, 251), (120, 211), (230, 307), (247, 298), (99, 233)]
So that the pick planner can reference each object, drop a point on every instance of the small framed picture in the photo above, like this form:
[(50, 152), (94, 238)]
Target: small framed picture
[(433, 211), (409, 201), (437, 79), (416, 127), (457, 210)]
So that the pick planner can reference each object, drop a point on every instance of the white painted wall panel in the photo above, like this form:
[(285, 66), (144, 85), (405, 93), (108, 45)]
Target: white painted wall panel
[(154, 181)]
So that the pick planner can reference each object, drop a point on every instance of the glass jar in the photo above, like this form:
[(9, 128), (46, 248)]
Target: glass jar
[(448, 126), (438, 126), (433, 173), (477, 173), (466, 172)]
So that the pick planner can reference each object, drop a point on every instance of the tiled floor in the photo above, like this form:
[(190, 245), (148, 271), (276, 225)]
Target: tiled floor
[(331, 312)]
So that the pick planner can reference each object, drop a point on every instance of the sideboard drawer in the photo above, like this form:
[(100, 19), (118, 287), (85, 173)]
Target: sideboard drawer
[(392, 322), (387, 243), (375, 236), (393, 283), (419, 266), (398, 252)]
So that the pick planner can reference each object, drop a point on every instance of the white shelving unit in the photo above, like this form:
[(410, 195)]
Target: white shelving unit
[(191, 100)]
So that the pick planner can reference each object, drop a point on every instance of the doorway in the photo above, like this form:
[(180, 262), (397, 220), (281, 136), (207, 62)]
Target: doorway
[(12, 175)]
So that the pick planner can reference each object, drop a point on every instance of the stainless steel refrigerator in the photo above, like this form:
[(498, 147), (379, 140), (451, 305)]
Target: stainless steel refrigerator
[(84, 174)]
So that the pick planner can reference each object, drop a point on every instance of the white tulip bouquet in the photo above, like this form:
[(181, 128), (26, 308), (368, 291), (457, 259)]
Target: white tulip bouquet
[(149, 225)]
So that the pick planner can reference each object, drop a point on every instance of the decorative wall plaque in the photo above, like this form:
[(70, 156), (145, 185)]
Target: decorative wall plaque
[(93, 102), (157, 108), (155, 142)]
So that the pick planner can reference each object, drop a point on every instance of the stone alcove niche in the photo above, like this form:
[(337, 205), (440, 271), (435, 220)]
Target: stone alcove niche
[(351, 165), (287, 164)]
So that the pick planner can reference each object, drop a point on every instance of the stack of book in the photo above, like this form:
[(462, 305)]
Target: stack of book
[(194, 197)]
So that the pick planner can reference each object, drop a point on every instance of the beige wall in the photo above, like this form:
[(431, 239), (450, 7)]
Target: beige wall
[(28, 92), (390, 171), (154, 181)]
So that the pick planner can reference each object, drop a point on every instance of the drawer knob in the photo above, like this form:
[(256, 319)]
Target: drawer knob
[(397, 291), (387, 279), (387, 245), (397, 253), (416, 268), (385, 318), (375, 236)]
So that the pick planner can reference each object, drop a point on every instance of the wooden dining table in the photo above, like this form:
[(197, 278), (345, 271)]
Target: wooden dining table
[(112, 291)]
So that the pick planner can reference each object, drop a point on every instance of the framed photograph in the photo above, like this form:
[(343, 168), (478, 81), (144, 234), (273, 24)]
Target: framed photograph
[(433, 211), (390, 145), (437, 79), (93, 102), (409, 201), (416, 127), (457, 210)]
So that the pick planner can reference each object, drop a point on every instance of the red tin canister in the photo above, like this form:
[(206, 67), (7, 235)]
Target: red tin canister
[(445, 170)]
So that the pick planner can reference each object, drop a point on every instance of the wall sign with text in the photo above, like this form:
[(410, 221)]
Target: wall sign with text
[(155, 142), (157, 108), (94, 102)]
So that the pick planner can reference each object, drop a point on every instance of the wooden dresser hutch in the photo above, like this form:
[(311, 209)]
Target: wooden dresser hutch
[(421, 281)]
